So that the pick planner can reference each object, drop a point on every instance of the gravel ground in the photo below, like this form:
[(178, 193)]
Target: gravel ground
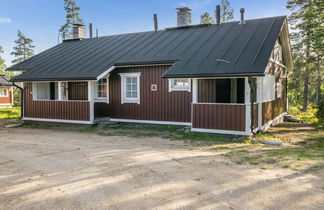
[(46, 169)]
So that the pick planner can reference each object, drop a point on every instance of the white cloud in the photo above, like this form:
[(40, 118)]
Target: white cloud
[(5, 20)]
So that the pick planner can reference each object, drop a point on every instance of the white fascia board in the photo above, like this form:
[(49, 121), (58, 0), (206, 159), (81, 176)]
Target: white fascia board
[(105, 72)]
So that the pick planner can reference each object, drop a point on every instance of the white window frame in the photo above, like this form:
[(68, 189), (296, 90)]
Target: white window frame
[(172, 87), (124, 99), (4, 95), (97, 98)]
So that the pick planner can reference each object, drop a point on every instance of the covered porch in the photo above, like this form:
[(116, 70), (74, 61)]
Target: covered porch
[(223, 105)]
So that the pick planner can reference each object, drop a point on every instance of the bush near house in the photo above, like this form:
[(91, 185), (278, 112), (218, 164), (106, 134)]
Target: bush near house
[(312, 115)]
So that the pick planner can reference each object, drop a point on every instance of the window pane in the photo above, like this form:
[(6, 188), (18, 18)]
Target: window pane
[(102, 88), (131, 87)]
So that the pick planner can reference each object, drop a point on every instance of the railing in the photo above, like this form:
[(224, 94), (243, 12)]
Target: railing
[(219, 116)]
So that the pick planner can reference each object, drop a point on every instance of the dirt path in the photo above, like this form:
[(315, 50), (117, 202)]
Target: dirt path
[(43, 169)]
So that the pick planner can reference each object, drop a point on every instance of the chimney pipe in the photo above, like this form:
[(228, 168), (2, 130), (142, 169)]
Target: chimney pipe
[(155, 19), (242, 10), (90, 31), (183, 16), (97, 33), (218, 14)]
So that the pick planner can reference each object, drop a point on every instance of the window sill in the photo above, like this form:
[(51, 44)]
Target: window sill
[(177, 90), (130, 102)]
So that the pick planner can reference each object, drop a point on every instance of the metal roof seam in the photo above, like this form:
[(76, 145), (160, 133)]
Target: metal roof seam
[(263, 41), (251, 35), (219, 41), (230, 45)]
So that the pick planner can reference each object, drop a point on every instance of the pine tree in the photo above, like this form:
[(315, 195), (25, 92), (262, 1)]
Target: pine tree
[(227, 13), (2, 62), (306, 19), (72, 17), (24, 48), (206, 18)]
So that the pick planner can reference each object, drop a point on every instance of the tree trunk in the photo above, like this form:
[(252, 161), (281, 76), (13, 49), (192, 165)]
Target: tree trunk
[(305, 94), (319, 94), (306, 81)]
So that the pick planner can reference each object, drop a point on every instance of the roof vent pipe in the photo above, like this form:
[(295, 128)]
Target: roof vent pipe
[(242, 10), (217, 14), (97, 33), (155, 19), (90, 30), (183, 16)]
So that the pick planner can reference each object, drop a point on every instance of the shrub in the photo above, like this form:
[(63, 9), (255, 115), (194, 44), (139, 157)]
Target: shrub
[(320, 112)]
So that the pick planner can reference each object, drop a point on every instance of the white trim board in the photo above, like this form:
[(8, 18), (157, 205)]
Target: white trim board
[(229, 132), (151, 122), (274, 121), (56, 120)]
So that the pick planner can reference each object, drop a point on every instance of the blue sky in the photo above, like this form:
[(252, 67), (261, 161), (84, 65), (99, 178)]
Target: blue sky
[(41, 19)]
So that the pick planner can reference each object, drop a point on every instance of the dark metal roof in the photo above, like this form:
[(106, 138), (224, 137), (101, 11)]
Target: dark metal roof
[(4, 81), (228, 49)]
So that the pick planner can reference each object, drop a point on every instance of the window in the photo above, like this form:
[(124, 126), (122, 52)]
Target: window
[(179, 85), (3, 92), (102, 88), (45, 91), (130, 90)]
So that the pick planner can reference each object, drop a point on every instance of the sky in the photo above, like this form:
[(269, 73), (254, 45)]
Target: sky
[(40, 20)]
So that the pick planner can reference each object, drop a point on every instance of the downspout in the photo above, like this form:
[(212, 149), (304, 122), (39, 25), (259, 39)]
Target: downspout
[(21, 99), (252, 104)]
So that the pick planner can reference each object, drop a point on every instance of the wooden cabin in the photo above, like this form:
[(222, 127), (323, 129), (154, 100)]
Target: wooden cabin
[(228, 78), (6, 92)]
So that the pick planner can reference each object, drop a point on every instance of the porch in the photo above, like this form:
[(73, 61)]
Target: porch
[(223, 105)]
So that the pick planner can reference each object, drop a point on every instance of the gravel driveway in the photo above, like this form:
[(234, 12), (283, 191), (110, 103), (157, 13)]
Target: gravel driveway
[(46, 169)]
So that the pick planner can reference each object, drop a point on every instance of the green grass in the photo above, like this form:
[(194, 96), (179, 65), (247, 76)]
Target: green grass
[(135, 130), (7, 113), (268, 136)]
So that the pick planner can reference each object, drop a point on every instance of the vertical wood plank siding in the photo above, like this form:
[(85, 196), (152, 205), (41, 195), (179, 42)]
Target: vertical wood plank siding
[(78, 90), (62, 110), (219, 116), (160, 105), (207, 90), (272, 109)]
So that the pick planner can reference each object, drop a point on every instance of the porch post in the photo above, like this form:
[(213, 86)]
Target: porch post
[(194, 91), (91, 101), (247, 106), (59, 84)]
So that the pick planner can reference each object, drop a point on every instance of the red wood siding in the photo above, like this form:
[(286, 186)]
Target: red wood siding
[(61, 110), (6, 100), (219, 116), (207, 90), (160, 105), (78, 90), (272, 109)]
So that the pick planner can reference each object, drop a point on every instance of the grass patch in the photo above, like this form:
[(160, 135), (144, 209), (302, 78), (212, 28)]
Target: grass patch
[(8, 113), (138, 130), (268, 136)]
